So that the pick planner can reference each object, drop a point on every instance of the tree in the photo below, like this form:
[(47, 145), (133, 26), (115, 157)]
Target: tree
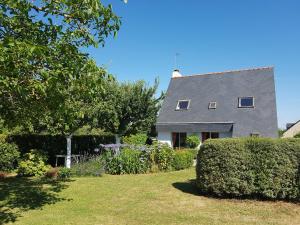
[(128, 108), (46, 82)]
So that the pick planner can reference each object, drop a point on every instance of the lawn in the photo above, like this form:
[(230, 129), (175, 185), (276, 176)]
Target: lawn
[(162, 198)]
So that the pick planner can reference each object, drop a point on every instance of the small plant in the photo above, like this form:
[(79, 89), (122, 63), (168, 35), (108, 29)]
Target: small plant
[(33, 164), (52, 173), (64, 173), (183, 159), (193, 141), (135, 139), (9, 155)]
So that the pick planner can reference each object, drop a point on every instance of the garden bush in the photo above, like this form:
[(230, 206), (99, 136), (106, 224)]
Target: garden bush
[(9, 155), (183, 159), (162, 156), (135, 139), (256, 167), (88, 166), (129, 161), (64, 173), (193, 141), (33, 164)]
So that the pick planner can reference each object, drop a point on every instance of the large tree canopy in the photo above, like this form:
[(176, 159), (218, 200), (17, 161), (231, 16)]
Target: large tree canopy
[(42, 69), (128, 108)]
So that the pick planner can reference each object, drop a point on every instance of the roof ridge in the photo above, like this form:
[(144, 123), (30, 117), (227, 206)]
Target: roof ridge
[(228, 71)]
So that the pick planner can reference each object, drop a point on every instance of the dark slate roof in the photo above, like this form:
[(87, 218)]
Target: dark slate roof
[(224, 88)]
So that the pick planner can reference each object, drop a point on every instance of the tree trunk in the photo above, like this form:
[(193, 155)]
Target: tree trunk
[(69, 152)]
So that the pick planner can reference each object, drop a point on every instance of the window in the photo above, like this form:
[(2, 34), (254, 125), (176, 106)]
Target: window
[(212, 105), (207, 135), (246, 102), (183, 104), (179, 140)]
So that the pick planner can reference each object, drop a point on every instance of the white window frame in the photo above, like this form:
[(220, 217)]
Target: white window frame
[(210, 105), (240, 98), (183, 100)]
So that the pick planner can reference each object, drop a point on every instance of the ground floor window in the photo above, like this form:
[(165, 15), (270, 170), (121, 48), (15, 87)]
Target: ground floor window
[(207, 135), (179, 140)]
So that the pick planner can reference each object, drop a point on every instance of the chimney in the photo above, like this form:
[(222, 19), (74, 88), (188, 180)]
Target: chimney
[(176, 73)]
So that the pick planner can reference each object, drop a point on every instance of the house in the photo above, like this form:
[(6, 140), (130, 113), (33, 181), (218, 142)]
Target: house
[(291, 130), (219, 105)]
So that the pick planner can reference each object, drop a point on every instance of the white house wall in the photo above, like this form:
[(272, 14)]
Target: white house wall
[(165, 138)]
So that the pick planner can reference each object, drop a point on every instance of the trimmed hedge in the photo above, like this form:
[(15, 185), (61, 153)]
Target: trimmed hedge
[(53, 145), (250, 167)]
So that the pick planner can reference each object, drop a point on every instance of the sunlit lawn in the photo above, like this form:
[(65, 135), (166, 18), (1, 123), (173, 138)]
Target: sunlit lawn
[(162, 198)]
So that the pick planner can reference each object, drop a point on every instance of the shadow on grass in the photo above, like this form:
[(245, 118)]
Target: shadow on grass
[(190, 187), (18, 195), (187, 187)]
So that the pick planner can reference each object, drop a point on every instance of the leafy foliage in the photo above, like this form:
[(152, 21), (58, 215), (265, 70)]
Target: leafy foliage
[(89, 166), (9, 155), (163, 156), (64, 173), (261, 167), (128, 161), (183, 159), (135, 139), (33, 164), (46, 82), (127, 108), (193, 141)]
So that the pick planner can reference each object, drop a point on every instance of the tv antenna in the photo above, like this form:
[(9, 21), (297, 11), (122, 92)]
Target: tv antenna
[(176, 60)]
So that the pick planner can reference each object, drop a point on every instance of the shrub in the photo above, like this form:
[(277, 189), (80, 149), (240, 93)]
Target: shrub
[(135, 139), (260, 167), (89, 166), (129, 161), (193, 141), (52, 173), (64, 173), (9, 156), (194, 151), (33, 164), (3, 138), (183, 159), (297, 135), (163, 156)]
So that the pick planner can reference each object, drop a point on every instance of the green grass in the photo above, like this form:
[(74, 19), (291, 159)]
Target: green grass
[(162, 198)]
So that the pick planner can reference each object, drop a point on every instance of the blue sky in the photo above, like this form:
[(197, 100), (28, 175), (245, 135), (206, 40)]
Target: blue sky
[(211, 36)]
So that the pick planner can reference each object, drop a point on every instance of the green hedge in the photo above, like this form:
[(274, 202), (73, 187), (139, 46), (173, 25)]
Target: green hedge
[(183, 159), (53, 145), (256, 167)]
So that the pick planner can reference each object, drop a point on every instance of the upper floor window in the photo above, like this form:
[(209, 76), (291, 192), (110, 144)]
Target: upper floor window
[(246, 102), (183, 104), (212, 105)]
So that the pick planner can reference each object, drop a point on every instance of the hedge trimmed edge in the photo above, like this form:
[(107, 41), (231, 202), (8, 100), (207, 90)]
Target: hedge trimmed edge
[(250, 167)]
